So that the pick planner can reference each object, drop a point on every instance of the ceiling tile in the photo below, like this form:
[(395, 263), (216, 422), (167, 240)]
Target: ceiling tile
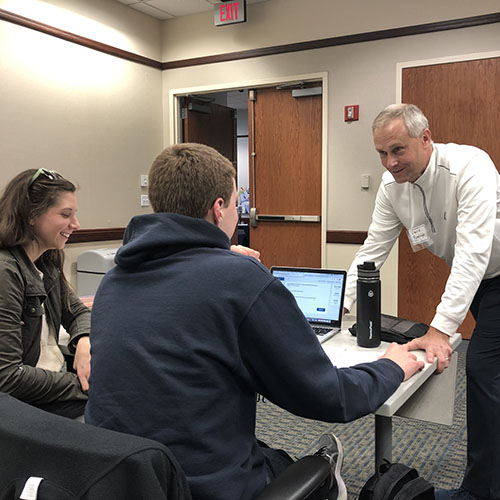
[(151, 11), (182, 7), (167, 9)]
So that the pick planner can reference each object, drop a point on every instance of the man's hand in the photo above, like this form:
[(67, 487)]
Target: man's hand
[(246, 251), (407, 361), (436, 344), (82, 361)]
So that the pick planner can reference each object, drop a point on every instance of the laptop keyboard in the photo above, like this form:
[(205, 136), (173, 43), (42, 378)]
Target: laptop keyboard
[(318, 330)]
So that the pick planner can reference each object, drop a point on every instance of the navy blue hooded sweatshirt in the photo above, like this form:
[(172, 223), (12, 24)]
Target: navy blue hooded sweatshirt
[(186, 332)]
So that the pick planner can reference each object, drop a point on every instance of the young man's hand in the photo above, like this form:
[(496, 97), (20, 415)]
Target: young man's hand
[(406, 360), (246, 251)]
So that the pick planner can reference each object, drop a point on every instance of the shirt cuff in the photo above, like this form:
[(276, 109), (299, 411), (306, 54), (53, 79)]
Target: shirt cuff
[(444, 324)]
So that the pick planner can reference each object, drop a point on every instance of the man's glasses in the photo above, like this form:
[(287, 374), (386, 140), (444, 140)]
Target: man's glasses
[(50, 174)]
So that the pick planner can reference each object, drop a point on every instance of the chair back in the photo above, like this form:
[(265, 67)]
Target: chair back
[(80, 461)]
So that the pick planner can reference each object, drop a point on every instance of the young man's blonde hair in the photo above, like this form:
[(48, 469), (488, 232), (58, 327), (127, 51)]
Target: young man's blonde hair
[(187, 178)]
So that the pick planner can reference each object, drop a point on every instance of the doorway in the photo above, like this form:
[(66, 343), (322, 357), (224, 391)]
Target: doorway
[(220, 120), (237, 99), (285, 174)]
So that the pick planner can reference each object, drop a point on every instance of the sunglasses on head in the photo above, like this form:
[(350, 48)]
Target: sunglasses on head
[(50, 174)]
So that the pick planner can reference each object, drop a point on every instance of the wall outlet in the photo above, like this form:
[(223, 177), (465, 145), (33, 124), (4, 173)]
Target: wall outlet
[(144, 200), (144, 181)]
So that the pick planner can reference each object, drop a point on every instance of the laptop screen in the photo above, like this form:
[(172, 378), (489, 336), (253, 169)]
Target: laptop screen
[(319, 292)]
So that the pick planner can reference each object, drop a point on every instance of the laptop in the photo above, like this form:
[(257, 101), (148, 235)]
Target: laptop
[(319, 294)]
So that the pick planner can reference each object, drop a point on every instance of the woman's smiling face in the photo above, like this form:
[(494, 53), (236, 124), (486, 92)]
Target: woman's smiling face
[(54, 227)]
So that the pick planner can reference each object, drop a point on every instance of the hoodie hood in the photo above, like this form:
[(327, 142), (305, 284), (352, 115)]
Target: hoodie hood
[(156, 236)]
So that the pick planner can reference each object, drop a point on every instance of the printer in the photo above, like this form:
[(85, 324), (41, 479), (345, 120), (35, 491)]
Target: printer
[(91, 266)]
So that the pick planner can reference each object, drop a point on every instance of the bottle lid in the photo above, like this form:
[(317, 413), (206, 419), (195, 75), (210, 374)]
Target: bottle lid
[(368, 270)]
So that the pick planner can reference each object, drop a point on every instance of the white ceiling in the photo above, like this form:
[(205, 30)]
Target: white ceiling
[(168, 9)]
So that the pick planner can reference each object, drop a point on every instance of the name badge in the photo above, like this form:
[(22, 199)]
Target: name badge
[(420, 237)]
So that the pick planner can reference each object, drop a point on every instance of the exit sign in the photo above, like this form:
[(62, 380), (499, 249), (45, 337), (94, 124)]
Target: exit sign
[(230, 12)]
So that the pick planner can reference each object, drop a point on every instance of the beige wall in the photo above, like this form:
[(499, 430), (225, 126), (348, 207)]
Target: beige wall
[(277, 22), (93, 117), (106, 21), (101, 121)]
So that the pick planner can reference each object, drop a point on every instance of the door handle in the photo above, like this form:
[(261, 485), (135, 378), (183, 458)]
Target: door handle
[(255, 218)]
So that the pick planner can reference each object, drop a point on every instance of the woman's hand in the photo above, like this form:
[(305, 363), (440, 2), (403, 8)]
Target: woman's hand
[(81, 363)]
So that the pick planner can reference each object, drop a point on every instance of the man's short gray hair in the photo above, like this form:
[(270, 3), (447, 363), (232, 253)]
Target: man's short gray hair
[(413, 118)]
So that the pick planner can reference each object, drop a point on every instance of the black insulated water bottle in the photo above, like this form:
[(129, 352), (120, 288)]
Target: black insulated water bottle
[(368, 308)]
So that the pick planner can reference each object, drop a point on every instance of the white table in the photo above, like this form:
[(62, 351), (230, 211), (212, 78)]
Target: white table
[(423, 396)]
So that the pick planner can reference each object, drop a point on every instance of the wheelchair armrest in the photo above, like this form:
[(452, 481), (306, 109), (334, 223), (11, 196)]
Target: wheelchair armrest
[(299, 480)]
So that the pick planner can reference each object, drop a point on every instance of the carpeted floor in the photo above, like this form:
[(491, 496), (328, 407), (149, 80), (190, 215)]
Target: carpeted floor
[(438, 452)]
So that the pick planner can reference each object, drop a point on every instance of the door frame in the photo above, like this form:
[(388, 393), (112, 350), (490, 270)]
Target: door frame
[(399, 89), (175, 123)]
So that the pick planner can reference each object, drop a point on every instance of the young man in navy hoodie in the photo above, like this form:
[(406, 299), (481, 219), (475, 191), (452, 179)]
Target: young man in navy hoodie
[(186, 333)]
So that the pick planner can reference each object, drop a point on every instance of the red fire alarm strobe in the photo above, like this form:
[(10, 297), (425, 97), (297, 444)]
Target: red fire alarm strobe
[(351, 113)]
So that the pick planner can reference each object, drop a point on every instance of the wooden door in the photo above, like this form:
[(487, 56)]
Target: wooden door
[(462, 103), (211, 124), (285, 176), (205, 122)]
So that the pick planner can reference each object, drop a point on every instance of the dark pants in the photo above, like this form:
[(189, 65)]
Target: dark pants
[(276, 462), (482, 475)]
